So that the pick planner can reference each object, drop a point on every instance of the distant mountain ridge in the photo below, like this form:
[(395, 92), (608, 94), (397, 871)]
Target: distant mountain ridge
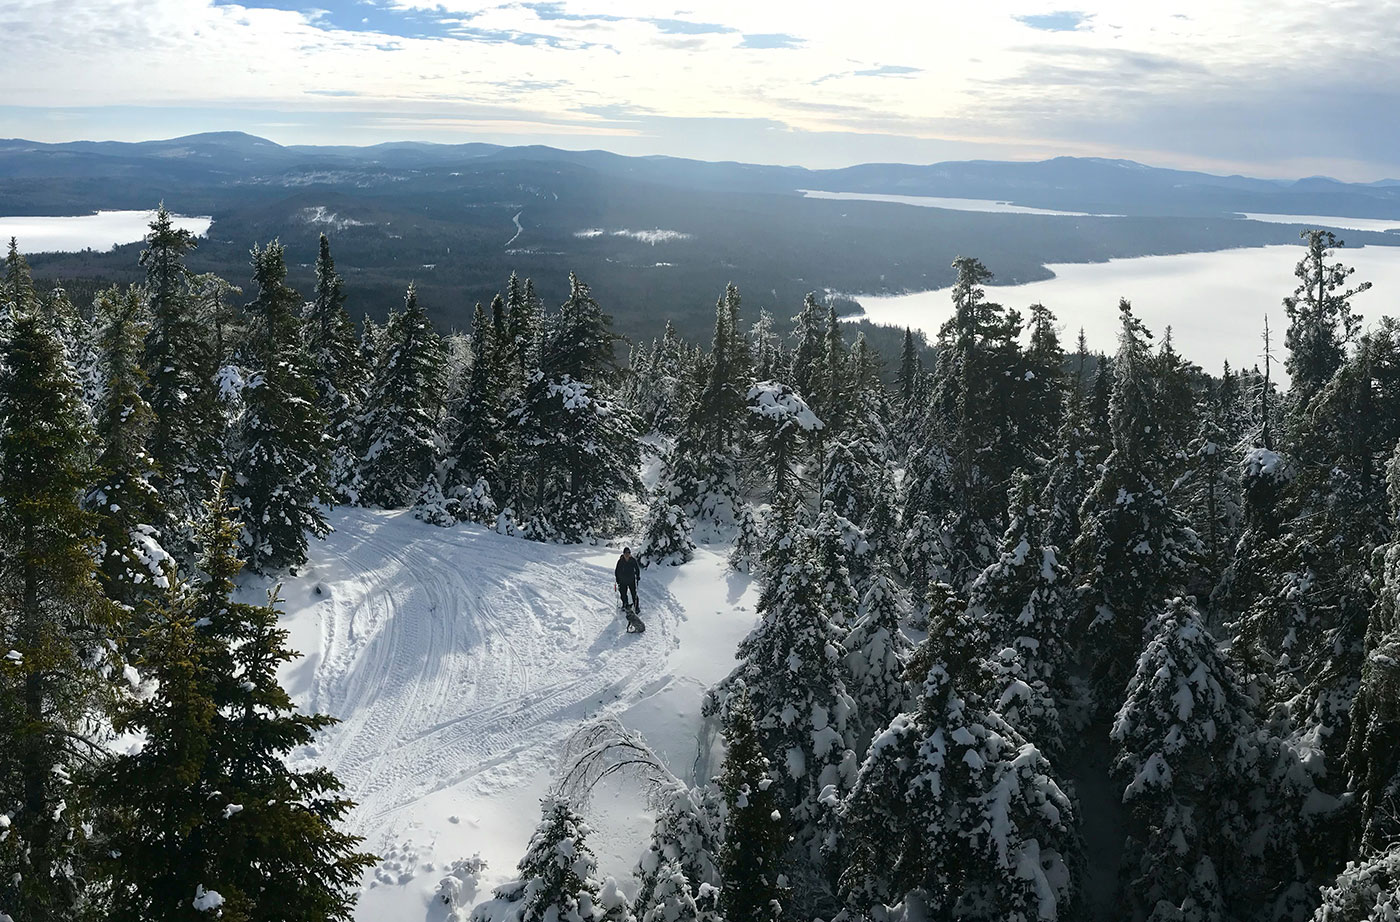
[(1089, 184)]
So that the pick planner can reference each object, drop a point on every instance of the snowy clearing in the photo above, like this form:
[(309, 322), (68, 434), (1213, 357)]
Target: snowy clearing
[(458, 660)]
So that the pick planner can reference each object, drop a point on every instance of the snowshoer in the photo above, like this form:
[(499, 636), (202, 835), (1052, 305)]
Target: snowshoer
[(627, 573)]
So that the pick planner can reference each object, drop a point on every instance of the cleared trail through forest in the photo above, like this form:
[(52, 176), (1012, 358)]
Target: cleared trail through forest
[(448, 652)]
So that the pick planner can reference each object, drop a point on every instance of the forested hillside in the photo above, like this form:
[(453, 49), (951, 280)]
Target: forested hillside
[(1042, 634)]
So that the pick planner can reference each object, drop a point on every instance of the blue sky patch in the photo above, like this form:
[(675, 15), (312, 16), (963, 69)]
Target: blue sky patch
[(770, 40), (1058, 21)]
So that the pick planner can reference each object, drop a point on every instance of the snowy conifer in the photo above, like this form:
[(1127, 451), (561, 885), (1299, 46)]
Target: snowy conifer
[(783, 427), (180, 368), (683, 855), (337, 371), (1020, 609), (876, 651), (666, 539), (1366, 891), (125, 502), (1135, 550), (557, 881), (399, 427), (477, 449), (954, 812), (747, 542), (281, 459), (755, 827), (1189, 759), (55, 625), (1320, 321)]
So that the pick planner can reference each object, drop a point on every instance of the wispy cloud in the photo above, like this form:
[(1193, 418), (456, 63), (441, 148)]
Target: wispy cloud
[(1208, 82)]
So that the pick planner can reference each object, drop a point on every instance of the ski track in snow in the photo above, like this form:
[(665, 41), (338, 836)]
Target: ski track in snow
[(451, 652), (518, 228)]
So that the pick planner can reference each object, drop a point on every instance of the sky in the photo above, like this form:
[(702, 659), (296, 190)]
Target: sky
[(1272, 88)]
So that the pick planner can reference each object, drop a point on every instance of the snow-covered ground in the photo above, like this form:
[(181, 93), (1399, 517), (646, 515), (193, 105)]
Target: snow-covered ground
[(458, 661)]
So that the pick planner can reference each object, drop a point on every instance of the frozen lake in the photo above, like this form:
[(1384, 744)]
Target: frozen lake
[(1214, 302), (1319, 220), (952, 204), (100, 231)]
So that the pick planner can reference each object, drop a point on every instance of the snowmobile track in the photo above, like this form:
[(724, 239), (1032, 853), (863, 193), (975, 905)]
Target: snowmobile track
[(450, 652)]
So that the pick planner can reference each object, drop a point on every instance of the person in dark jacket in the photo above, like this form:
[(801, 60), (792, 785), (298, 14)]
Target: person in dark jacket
[(627, 572)]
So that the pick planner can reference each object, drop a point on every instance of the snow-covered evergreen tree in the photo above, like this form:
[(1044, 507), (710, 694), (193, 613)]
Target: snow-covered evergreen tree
[(180, 368), (954, 815), (1366, 891), (783, 426), (876, 651), (755, 827), (1210, 494), (128, 508), (792, 666), (337, 371), (477, 449), (281, 458), (748, 541), (557, 876), (666, 539), (1135, 549), (683, 855), (399, 428), (1020, 611)]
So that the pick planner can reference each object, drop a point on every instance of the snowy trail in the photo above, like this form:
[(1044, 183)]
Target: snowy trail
[(518, 228), (450, 652)]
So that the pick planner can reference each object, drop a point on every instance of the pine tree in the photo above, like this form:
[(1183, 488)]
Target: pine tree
[(281, 457), (810, 333), (578, 446), (1042, 408), (755, 828), (1135, 549), (180, 369), (337, 370), (1366, 891), (209, 805), (1210, 494), (910, 367), (55, 623), (955, 811), (399, 426), (124, 501)]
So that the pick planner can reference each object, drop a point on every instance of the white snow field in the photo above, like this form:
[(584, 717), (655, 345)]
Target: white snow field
[(458, 661)]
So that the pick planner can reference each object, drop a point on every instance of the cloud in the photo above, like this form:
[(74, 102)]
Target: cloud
[(1003, 78)]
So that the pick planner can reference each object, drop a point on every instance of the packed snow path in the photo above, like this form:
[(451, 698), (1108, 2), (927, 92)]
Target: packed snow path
[(449, 652)]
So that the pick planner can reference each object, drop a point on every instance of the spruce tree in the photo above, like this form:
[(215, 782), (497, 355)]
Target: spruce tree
[(683, 856), (1215, 800), (477, 450), (1020, 613), (55, 625), (557, 880), (810, 333), (400, 424), (281, 458), (338, 373), (1135, 549), (876, 651), (954, 810), (667, 536), (783, 426), (755, 828), (209, 805), (1210, 493), (792, 666), (1320, 321), (124, 501), (180, 368)]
